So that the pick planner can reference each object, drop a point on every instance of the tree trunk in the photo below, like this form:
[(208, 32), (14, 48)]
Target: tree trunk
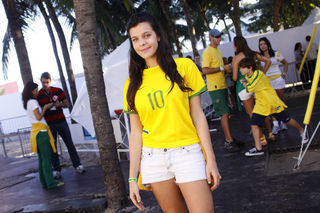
[(204, 43), (236, 17), (276, 15), (296, 12), (87, 34), (15, 27), (227, 29), (64, 49), (55, 51), (185, 7), (172, 25)]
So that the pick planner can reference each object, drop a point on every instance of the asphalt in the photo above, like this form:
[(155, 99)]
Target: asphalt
[(266, 183)]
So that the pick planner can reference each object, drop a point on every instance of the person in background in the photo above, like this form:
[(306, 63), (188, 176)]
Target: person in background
[(312, 56), (197, 61), (57, 122), (267, 103), (275, 76), (41, 139), (168, 126), (298, 54), (242, 50), (230, 85), (214, 68), (232, 88)]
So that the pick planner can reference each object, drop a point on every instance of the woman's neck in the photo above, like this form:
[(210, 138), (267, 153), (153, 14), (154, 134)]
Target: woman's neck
[(266, 54), (151, 62)]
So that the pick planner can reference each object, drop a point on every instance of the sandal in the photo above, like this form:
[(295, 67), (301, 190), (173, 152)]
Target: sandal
[(272, 137), (263, 141)]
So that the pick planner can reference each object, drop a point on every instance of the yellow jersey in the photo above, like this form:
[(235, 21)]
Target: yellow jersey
[(165, 116), (267, 100), (212, 58)]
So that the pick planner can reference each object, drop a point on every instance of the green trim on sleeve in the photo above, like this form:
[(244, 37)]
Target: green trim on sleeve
[(199, 92), (130, 112)]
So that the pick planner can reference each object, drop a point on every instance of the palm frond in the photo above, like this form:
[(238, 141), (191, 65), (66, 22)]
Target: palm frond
[(6, 43)]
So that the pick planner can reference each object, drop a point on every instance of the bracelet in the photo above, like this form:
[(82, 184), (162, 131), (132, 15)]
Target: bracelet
[(132, 180)]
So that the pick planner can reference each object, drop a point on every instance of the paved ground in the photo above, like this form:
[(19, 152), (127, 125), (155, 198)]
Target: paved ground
[(258, 184)]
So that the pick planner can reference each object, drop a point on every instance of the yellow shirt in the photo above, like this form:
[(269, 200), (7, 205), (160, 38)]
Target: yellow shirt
[(212, 58), (165, 116), (33, 137), (267, 100)]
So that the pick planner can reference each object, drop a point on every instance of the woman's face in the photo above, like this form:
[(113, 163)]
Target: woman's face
[(263, 45), (234, 47), (144, 40), (35, 92)]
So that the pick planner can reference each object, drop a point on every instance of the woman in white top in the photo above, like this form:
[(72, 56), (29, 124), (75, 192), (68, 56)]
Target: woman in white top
[(41, 137), (274, 74)]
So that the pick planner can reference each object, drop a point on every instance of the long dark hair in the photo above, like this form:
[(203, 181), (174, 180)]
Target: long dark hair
[(296, 46), (27, 93), (164, 58), (242, 46), (270, 50)]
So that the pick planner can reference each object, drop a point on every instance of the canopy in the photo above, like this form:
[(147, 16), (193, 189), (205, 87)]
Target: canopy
[(115, 73)]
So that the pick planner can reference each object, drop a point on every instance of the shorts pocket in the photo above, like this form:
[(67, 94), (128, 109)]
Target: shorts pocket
[(192, 148), (146, 152)]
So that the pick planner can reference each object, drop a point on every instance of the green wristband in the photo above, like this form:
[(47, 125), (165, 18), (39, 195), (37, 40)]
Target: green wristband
[(132, 180)]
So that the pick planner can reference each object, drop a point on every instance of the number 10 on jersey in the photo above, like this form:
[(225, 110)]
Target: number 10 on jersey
[(156, 99)]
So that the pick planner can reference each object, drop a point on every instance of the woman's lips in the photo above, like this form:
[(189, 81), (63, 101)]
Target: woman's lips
[(145, 49)]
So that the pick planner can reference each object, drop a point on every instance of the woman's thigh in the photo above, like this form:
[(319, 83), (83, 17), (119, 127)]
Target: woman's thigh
[(198, 196), (280, 93), (169, 196), (248, 105)]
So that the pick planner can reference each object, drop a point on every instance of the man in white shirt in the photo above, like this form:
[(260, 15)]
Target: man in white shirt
[(312, 57)]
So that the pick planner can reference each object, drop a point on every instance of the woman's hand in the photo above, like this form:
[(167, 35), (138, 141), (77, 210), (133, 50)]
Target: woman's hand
[(213, 175), (135, 196), (47, 106)]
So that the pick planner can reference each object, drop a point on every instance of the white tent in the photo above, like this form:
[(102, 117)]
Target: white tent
[(115, 68), (313, 18)]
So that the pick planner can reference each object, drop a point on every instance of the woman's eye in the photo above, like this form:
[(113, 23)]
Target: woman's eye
[(134, 39)]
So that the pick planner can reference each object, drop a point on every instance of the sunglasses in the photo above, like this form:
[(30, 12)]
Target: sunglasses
[(218, 36)]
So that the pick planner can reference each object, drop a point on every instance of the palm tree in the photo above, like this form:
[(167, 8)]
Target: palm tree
[(88, 38), (64, 48), (186, 11), (55, 51), (235, 16), (169, 19), (276, 15), (15, 25)]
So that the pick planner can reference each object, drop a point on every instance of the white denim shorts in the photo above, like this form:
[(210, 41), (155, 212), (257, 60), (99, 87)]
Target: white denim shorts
[(184, 164), (278, 83), (244, 95)]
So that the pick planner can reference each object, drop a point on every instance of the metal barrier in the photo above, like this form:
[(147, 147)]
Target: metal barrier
[(24, 138)]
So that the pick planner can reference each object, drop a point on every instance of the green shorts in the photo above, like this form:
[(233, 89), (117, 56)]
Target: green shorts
[(220, 101)]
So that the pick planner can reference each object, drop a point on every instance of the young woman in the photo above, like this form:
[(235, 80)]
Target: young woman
[(162, 96), (41, 139), (274, 74), (298, 55), (242, 50)]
